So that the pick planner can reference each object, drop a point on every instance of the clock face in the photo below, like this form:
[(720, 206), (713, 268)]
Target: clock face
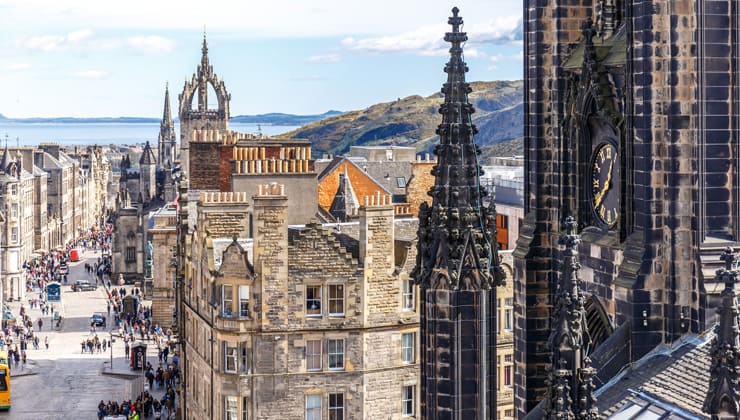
[(605, 184)]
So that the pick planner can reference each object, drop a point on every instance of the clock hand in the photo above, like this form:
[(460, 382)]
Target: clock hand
[(600, 196)]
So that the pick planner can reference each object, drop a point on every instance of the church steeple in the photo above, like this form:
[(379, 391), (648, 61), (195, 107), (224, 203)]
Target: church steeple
[(723, 396), (458, 234), (167, 137), (167, 117), (457, 265)]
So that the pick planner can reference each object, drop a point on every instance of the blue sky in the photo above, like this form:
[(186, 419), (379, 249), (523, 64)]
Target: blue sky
[(90, 58)]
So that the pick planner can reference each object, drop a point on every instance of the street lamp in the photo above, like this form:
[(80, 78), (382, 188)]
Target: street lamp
[(110, 344)]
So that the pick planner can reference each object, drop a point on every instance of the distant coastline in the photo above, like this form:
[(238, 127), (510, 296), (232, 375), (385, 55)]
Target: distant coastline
[(275, 118)]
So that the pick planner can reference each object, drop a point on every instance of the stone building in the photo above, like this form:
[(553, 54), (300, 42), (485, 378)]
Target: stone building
[(630, 129), (62, 172), (163, 235), (457, 267), (297, 323), (201, 117), (11, 197), (128, 243)]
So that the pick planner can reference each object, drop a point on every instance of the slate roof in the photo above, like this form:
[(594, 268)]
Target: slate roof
[(673, 379)]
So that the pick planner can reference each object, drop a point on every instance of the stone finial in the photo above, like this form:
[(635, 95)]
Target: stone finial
[(568, 340), (723, 395), (729, 257)]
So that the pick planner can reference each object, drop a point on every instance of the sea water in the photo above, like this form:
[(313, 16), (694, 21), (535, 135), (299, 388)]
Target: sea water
[(68, 134)]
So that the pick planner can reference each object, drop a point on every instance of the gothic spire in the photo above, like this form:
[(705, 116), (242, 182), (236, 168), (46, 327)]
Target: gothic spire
[(204, 49), (570, 393), (723, 396), (167, 117), (457, 234), (5, 162)]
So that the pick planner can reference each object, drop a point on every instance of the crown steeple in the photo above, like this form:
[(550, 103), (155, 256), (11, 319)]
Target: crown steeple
[(457, 239), (723, 396)]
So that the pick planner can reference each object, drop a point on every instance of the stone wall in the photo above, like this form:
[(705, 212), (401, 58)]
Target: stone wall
[(421, 182)]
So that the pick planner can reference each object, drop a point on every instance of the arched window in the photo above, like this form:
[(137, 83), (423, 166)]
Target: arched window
[(597, 320)]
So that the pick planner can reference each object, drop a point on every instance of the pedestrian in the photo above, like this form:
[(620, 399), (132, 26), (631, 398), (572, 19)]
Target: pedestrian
[(23, 356), (40, 323), (46, 342)]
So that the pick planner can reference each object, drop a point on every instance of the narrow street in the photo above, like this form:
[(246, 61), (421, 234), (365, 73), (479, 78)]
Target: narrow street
[(66, 380)]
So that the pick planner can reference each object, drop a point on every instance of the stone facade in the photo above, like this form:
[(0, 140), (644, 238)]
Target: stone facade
[(629, 110), (163, 235), (298, 319)]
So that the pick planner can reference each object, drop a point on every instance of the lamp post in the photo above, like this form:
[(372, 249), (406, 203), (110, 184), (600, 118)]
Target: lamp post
[(110, 344)]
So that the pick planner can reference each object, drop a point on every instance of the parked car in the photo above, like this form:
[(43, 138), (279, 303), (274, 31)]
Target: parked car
[(98, 319), (83, 285)]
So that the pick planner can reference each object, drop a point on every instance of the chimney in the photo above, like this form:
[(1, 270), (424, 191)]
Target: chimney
[(377, 259), (271, 253)]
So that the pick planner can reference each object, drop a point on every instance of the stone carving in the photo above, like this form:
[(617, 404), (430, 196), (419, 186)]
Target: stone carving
[(723, 396)]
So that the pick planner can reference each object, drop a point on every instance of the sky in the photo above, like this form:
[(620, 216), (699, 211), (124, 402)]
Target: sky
[(105, 58)]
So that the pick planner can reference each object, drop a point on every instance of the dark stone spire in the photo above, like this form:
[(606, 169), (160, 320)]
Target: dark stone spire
[(457, 235), (723, 396), (204, 50), (167, 137), (457, 266), (167, 117), (5, 162), (570, 393)]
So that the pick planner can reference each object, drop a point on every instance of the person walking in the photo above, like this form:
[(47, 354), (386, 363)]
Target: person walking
[(46, 342), (40, 323)]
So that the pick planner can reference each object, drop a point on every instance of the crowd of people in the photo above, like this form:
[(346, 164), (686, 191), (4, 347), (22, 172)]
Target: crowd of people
[(145, 406)]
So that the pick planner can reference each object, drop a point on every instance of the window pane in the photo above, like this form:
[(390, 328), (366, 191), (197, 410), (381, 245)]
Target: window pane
[(243, 365), (243, 301), (408, 295), (336, 354), (407, 347), (313, 355), (336, 299), (336, 406), (230, 352), (507, 375), (408, 400), (313, 300), (313, 407), (227, 300), (230, 408)]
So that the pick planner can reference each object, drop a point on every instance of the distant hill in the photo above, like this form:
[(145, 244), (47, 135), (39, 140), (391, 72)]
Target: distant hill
[(277, 118), (411, 121), (269, 119)]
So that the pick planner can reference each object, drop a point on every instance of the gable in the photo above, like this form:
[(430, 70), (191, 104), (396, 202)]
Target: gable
[(362, 183)]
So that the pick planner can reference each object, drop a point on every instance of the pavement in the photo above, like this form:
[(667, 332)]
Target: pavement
[(61, 382)]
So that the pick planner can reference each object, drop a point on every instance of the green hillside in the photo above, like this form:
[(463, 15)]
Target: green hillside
[(411, 121)]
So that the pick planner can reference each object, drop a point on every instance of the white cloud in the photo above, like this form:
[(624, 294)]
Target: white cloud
[(324, 58), (85, 40), (151, 44), (429, 40), (16, 66), (90, 74), (315, 18)]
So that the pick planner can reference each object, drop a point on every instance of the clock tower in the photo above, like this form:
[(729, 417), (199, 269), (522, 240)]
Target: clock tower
[(630, 129)]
